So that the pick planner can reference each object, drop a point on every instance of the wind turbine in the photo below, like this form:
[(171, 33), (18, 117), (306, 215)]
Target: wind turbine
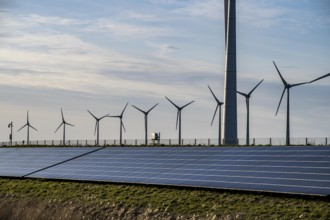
[(247, 100), (63, 123), (28, 129), (287, 87), (97, 126), (178, 117), (121, 123), (145, 121), (215, 112)]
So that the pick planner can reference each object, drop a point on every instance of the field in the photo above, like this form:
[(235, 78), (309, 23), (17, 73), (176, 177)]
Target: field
[(44, 199)]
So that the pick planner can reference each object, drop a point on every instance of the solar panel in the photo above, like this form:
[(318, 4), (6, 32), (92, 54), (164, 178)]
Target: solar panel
[(18, 162), (297, 170)]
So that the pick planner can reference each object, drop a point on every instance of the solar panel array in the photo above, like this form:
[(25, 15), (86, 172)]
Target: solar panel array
[(296, 170)]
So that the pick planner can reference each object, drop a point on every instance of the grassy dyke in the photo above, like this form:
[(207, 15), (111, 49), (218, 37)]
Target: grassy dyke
[(175, 202)]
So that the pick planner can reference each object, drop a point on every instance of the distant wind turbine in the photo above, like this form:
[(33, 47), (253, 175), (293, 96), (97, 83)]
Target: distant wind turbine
[(247, 100), (121, 124), (178, 117), (28, 129), (287, 87), (145, 121), (97, 126), (215, 112), (63, 123)]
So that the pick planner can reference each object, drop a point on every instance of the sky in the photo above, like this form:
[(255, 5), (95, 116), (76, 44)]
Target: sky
[(99, 55)]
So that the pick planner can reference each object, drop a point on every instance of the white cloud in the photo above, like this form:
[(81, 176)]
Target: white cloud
[(163, 50), (116, 28)]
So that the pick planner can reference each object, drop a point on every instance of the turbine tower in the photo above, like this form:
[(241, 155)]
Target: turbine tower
[(219, 104), (247, 100), (145, 121), (287, 87), (97, 126), (63, 123), (178, 117), (28, 129), (230, 97), (121, 123)]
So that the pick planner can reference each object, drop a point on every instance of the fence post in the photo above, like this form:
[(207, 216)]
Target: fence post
[(270, 141), (195, 142), (208, 142), (169, 142), (306, 142), (52, 142), (254, 141), (135, 142), (326, 141)]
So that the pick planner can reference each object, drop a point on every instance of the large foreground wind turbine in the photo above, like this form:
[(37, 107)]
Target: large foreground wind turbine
[(97, 126), (287, 87), (247, 100), (28, 129), (178, 117), (145, 121), (215, 112), (230, 82), (63, 123), (121, 124)]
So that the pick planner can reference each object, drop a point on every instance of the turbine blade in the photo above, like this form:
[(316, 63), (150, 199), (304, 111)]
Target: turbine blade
[(124, 109), (27, 117), (139, 109), (32, 127), (216, 99), (187, 104), (284, 82), (280, 101), (22, 127), (326, 75), (104, 116), (172, 102), (243, 94), (215, 112), (152, 108), (177, 120), (96, 124), (113, 116), (62, 115), (59, 127), (122, 124), (69, 124), (255, 87), (92, 115), (213, 94), (299, 84)]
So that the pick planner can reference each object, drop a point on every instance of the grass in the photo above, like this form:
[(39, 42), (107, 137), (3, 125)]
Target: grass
[(175, 201)]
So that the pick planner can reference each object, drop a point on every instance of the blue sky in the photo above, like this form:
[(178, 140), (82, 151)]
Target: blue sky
[(99, 55)]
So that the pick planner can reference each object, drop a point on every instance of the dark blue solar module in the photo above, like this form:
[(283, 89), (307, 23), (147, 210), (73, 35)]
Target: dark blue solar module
[(295, 170), (18, 162)]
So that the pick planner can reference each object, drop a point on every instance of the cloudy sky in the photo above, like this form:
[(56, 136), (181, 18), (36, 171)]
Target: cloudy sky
[(99, 55)]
